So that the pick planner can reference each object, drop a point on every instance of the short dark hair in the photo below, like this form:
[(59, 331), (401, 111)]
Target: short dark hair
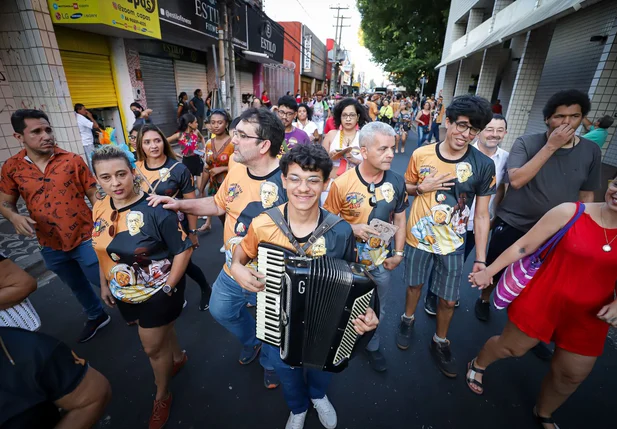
[(567, 97), (108, 152), (605, 121), (363, 117), (500, 118), (196, 91), (310, 157), (288, 101), (477, 109), (221, 112), (78, 106), (18, 118), (234, 123), (309, 111), (136, 128), (269, 127), (181, 96), (185, 120), (136, 104)]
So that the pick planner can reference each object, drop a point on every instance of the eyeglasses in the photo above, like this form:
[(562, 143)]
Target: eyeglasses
[(285, 114), (461, 127), (311, 182), (132, 137), (373, 200), (349, 116), (244, 136), (114, 217)]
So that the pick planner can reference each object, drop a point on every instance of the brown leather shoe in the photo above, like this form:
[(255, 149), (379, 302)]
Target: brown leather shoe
[(180, 364), (160, 413)]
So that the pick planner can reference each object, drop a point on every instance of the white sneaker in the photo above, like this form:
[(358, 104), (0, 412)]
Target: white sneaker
[(222, 249), (327, 413), (295, 421)]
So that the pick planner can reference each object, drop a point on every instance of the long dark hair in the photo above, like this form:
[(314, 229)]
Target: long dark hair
[(185, 120), (167, 150), (309, 111), (181, 96)]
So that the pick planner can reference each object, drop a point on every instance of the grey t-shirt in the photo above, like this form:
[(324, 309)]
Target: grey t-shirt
[(566, 172)]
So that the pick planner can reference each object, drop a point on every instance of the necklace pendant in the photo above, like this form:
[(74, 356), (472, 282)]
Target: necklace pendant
[(607, 248)]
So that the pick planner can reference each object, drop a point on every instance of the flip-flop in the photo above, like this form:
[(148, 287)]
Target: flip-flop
[(471, 378)]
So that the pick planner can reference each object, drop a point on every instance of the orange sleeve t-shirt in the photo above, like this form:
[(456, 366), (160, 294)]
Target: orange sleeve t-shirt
[(244, 197), (438, 220)]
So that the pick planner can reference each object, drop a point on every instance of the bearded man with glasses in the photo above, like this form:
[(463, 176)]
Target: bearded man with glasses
[(446, 178)]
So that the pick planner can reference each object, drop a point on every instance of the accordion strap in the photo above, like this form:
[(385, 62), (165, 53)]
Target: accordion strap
[(329, 221)]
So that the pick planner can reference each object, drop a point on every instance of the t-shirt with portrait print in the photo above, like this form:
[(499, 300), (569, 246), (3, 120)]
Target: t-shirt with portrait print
[(349, 197), (438, 220), (244, 197), (137, 259), (338, 242)]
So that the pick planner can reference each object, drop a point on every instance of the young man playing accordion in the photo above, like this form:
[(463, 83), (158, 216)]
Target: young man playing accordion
[(305, 171)]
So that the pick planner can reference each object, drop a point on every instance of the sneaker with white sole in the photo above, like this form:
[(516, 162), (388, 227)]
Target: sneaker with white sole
[(327, 413), (296, 421)]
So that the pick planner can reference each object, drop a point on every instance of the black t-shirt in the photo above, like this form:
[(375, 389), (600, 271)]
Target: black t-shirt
[(45, 370)]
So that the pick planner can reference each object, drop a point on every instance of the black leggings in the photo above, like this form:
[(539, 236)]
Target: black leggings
[(194, 272)]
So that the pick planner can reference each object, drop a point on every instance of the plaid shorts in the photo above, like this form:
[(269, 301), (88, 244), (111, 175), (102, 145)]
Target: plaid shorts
[(446, 272)]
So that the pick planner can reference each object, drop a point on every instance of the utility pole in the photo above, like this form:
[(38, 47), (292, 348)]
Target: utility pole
[(230, 17), (338, 34)]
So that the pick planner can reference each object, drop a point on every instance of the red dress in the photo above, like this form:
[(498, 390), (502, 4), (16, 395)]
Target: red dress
[(576, 280)]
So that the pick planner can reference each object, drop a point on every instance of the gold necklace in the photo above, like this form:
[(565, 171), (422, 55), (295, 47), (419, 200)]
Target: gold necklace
[(607, 247)]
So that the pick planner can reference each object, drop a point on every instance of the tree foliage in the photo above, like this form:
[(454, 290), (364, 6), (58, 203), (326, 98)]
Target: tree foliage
[(406, 37)]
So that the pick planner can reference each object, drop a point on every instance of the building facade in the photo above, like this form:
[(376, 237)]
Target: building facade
[(522, 51)]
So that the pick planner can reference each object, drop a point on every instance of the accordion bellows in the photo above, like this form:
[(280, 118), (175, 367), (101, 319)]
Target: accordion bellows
[(308, 307)]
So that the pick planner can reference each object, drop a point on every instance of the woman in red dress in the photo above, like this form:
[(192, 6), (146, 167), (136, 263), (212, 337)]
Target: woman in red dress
[(570, 301)]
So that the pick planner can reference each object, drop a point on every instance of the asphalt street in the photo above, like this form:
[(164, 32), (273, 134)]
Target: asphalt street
[(214, 391)]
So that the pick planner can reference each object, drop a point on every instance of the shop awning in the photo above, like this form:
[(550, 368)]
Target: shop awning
[(259, 57), (548, 11)]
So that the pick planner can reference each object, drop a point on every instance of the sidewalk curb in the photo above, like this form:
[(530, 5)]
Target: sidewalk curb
[(35, 266)]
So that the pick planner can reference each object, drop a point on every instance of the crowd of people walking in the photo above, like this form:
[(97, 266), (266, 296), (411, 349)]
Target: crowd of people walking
[(306, 158)]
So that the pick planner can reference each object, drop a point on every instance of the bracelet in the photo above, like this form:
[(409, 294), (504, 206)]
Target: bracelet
[(398, 253), (418, 190), (479, 262), (193, 231)]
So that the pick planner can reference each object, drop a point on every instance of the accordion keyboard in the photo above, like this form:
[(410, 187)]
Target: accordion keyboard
[(348, 341), (271, 263)]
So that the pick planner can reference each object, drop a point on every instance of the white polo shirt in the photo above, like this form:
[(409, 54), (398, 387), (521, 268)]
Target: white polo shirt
[(500, 158), (85, 129)]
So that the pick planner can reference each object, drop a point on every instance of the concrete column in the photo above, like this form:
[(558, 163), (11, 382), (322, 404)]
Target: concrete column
[(469, 67), (491, 63), (124, 88), (603, 94), (526, 83), (475, 18), (33, 76), (450, 74)]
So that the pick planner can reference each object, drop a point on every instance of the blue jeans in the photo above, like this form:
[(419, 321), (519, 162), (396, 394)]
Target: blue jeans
[(382, 279), (78, 269), (422, 135), (434, 132), (228, 307), (299, 385)]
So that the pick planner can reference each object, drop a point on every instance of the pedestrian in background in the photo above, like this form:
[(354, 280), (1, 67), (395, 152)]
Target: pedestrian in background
[(598, 131), (423, 121), (287, 113), (190, 140), (198, 108), (142, 116), (305, 123), (438, 113), (54, 184), (87, 126), (386, 113), (183, 105)]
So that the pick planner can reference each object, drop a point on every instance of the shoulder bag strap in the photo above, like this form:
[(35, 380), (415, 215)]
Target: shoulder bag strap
[(329, 222), (278, 218)]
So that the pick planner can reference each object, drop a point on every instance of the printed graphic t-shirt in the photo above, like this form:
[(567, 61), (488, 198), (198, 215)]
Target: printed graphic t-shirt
[(172, 179), (244, 197), (137, 259), (338, 242), (349, 197), (438, 220)]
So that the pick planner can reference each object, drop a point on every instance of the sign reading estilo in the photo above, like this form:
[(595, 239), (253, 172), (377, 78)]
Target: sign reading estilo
[(137, 16), (266, 43)]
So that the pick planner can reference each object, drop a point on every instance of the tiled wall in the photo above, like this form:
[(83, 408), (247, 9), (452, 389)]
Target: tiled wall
[(508, 73), (132, 59), (603, 93), (491, 64), (449, 82), (527, 81), (9, 145), (476, 17), (469, 67), (33, 73)]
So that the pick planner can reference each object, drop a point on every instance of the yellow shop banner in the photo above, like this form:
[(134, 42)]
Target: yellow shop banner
[(137, 16)]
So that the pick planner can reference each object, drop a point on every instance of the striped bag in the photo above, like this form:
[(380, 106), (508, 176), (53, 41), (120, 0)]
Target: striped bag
[(518, 274), (22, 315)]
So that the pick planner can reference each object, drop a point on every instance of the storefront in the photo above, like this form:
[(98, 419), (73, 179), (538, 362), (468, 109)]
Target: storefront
[(313, 63)]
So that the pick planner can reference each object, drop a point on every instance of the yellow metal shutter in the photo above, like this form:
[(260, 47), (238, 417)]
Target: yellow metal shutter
[(90, 79)]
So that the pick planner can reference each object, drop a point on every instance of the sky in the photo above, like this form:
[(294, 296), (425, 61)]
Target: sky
[(316, 15)]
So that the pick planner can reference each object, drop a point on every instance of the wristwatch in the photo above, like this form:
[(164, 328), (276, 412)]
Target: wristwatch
[(193, 231), (167, 288), (398, 253)]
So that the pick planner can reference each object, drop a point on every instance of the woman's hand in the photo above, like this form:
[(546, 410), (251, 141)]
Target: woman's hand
[(480, 279), (216, 170), (608, 313), (106, 296), (194, 240), (366, 322)]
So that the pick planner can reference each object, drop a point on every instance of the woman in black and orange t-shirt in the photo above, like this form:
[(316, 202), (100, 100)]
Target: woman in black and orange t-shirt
[(143, 253), (162, 174)]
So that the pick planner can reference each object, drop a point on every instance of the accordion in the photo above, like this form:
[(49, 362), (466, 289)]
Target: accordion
[(308, 306)]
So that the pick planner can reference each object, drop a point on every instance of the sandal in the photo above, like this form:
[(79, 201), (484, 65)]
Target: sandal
[(471, 378), (544, 420)]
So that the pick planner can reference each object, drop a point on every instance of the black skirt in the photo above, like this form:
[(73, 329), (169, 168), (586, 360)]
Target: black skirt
[(194, 163)]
